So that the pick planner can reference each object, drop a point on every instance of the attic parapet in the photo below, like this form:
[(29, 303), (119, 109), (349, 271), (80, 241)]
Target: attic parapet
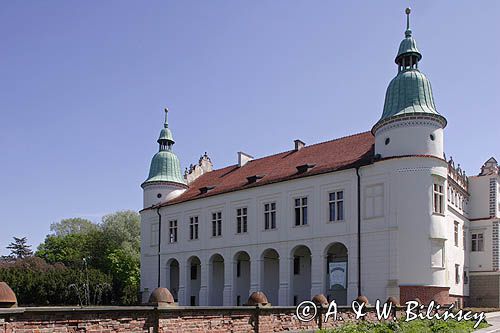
[(458, 176), (196, 170)]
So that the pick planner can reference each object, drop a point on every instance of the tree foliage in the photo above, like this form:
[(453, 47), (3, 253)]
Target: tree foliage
[(36, 282), (19, 248), (107, 253), (72, 226)]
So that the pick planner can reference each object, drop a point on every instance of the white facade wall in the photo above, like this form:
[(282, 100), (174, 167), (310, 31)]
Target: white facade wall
[(456, 254), (156, 193), (397, 230), (484, 212), (410, 137), (479, 202), (317, 235)]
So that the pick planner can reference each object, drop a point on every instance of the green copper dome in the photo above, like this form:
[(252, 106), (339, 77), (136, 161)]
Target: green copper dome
[(410, 92), (166, 134), (408, 46), (165, 166)]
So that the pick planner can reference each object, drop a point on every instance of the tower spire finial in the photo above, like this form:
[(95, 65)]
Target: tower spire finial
[(408, 30), (166, 118)]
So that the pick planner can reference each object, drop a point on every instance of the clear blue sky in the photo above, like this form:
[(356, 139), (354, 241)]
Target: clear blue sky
[(83, 85)]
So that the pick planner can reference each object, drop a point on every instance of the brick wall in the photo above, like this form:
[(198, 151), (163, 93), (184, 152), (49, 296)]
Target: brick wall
[(145, 319), (426, 294)]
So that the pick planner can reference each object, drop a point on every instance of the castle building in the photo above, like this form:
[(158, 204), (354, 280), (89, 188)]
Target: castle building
[(380, 213)]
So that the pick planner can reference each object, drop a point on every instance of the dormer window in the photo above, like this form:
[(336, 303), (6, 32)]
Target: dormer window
[(206, 189), (254, 178), (305, 167)]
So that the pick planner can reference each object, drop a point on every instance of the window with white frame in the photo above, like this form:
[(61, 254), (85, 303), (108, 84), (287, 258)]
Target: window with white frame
[(336, 206), (455, 233), (437, 253), (464, 239), (301, 211), (457, 273), (155, 229), (477, 242), (270, 215), (193, 227), (216, 224), (438, 197), (241, 220), (172, 231), (374, 201)]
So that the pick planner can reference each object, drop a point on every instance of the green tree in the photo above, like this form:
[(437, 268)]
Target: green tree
[(37, 283), (72, 226), (122, 233), (122, 228), (112, 247), (19, 248), (68, 249)]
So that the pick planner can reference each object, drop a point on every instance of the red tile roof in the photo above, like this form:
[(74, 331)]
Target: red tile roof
[(339, 154)]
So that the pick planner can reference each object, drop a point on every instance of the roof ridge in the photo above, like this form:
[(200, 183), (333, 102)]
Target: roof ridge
[(290, 150), (337, 139)]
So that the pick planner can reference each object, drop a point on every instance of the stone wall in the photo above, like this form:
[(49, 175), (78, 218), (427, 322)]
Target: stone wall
[(147, 319), (484, 290)]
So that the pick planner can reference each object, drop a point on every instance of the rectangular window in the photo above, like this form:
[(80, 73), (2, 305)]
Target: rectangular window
[(296, 265), (477, 242), (464, 239), (194, 272), (437, 253), (216, 224), (301, 211), (374, 201), (457, 274), (172, 231), (241, 220), (456, 233), (270, 216), (193, 227), (438, 207), (155, 229), (336, 206)]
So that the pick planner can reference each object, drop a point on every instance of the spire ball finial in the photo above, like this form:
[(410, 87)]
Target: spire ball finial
[(408, 30)]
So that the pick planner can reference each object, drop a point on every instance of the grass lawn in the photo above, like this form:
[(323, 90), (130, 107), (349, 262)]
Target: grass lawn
[(415, 326)]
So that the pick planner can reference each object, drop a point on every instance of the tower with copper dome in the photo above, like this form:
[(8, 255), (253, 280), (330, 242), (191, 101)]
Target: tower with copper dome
[(410, 123), (165, 180)]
